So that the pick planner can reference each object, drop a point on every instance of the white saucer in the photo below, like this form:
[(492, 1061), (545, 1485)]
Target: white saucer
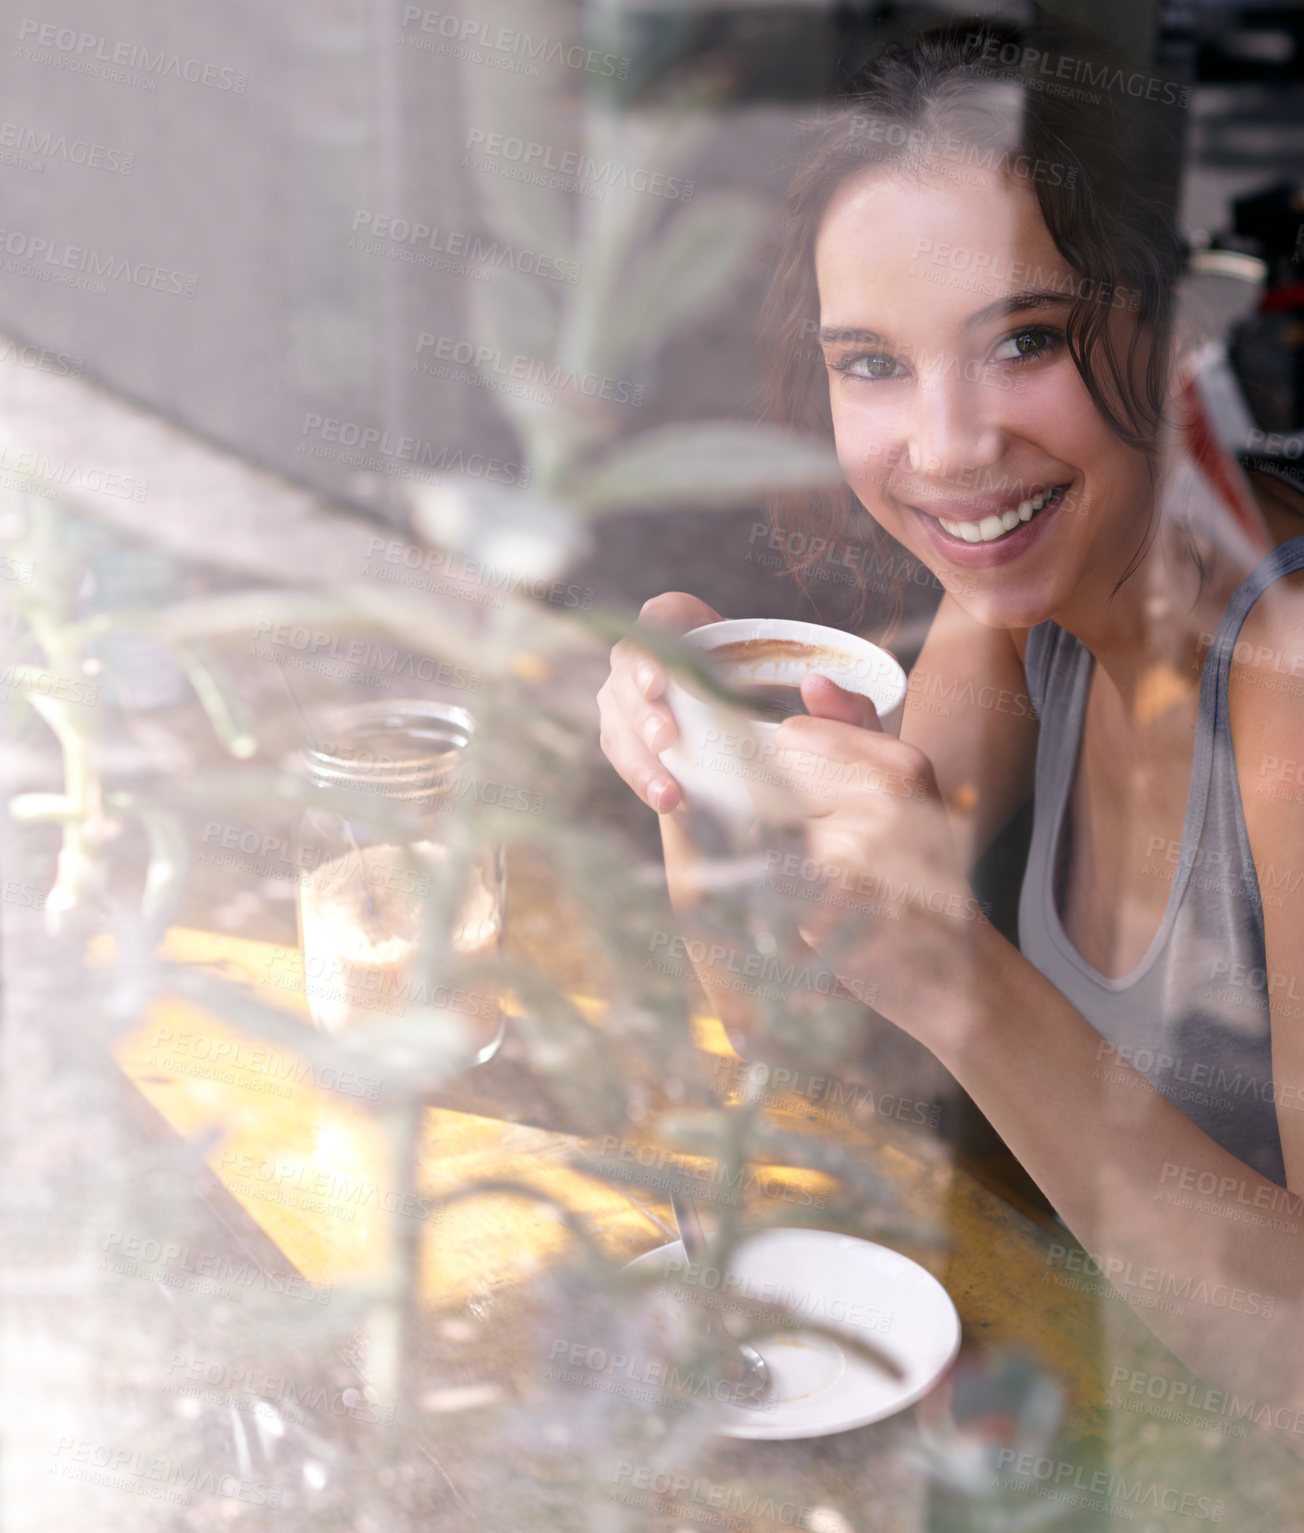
[(816, 1386)]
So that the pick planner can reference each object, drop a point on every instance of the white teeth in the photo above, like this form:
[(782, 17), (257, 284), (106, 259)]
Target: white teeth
[(992, 527)]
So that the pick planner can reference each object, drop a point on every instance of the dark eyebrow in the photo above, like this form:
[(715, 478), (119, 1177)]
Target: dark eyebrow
[(831, 334), (1012, 303)]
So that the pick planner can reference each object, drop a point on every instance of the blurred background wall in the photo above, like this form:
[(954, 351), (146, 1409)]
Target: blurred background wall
[(268, 232)]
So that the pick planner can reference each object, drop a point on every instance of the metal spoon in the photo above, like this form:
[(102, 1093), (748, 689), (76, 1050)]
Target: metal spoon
[(754, 1379)]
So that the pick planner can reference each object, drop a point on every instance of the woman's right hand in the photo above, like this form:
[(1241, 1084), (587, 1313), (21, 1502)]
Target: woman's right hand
[(635, 724)]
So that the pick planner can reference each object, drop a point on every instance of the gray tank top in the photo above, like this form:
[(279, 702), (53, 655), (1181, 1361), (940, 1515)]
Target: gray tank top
[(1192, 1016)]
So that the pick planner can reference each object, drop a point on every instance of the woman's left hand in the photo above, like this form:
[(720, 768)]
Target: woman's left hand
[(880, 893)]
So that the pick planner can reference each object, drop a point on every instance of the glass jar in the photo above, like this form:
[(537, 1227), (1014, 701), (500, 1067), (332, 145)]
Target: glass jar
[(397, 911)]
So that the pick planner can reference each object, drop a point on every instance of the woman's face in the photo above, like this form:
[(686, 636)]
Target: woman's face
[(961, 422)]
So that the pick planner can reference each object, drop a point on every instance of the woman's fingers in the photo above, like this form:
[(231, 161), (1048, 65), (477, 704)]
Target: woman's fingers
[(676, 612), (641, 674), (825, 699), (626, 747), (673, 612), (828, 765), (649, 717), (636, 725)]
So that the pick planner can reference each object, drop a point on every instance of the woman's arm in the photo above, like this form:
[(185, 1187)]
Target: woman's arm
[(968, 710), (1266, 708), (1112, 1154), (1128, 1173), (968, 706)]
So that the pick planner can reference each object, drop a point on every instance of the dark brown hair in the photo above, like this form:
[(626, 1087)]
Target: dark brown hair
[(1043, 104)]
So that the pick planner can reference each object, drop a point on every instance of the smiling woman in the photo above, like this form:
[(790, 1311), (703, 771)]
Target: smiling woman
[(973, 302), (1032, 224)]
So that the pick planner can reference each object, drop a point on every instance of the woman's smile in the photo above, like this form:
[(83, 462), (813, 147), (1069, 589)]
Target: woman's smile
[(961, 420), (991, 532)]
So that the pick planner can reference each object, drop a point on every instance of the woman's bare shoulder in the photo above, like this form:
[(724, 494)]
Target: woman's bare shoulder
[(1266, 679)]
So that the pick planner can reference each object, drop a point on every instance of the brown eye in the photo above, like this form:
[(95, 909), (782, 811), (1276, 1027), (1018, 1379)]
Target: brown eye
[(1025, 345), (873, 366)]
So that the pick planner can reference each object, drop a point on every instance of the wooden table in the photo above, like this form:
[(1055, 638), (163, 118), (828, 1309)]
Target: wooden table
[(309, 1167)]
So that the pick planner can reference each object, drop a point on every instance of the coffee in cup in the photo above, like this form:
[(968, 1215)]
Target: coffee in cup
[(725, 756)]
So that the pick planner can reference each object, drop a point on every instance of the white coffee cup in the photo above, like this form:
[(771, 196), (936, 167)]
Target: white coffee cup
[(726, 761)]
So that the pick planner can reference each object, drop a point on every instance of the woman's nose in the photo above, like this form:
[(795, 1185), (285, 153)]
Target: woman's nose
[(950, 426)]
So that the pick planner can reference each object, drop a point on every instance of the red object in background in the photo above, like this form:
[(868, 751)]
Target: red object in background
[(1218, 466), (1278, 299)]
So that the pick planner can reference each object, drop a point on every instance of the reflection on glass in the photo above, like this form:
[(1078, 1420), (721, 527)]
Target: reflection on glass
[(396, 912)]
